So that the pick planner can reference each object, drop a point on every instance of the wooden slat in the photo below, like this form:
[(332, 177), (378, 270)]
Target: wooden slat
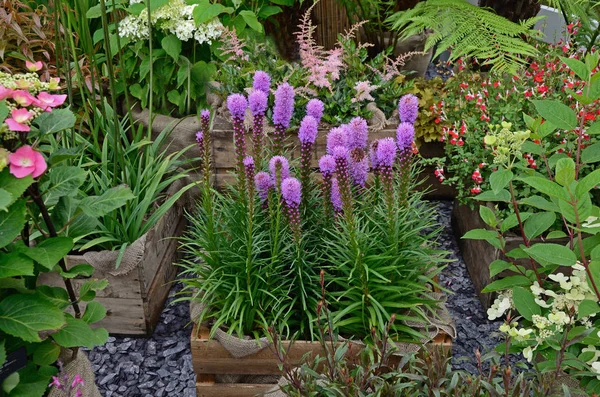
[(231, 389)]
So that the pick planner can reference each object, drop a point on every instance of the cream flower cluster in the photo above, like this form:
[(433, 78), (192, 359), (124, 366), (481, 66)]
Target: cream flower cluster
[(506, 144), (175, 17), (501, 305)]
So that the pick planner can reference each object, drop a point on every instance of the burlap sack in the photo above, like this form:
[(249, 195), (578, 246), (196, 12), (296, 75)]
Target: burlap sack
[(78, 365)]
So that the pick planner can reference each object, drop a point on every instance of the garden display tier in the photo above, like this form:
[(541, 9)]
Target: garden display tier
[(223, 158), (137, 290)]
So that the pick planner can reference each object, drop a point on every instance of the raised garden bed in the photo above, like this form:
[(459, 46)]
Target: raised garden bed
[(135, 299), (210, 358)]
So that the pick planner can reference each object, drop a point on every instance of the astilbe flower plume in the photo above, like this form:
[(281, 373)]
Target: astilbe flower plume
[(336, 137), (327, 168), (282, 114), (408, 108), (291, 193), (263, 183), (258, 101), (280, 170), (386, 157), (307, 136), (261, 81), (358, 133), (237, 105), (315, 108)]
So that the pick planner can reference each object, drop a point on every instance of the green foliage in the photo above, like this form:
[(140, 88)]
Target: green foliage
[(428, 127), (470, 31)]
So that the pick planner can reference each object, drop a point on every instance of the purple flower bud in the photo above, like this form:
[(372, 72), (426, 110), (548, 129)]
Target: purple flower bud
[(340, 152), (284, 105), (205, 114), (358, 133), (405, 136), (284, 166), (237, 104), (308, 130), (408, 108), (262, 81), (327, 164), (200, 138), (386, 152), (258, 102), (263, 183), (336, 196), (248, 161), (315, 108), (291, 191), (336, 137)]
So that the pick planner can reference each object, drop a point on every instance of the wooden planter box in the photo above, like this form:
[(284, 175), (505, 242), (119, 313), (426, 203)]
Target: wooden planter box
[(210, 358), (134, 301), (184, 135), (478, 254)]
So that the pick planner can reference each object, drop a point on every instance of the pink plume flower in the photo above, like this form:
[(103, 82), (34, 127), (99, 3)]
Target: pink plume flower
[(258, 100), (237, 104), (408, 108), (308, 129), (284, 105), (34, 66), (336, 137), (5, 92), (47, 101), (26, 161), (19, 118), (315, 108), (262, 81), (358, 133), (386, 152), (23, 98)]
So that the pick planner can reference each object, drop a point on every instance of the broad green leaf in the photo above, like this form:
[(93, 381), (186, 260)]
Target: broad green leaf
[(202, 73), (94, 312), (267, 11), (34, 380), (56, 295), (593, 129), (14, 265), (15, 186), (595, 254), (594, 267), (556, 234), (76, 333), (154, 4), (588, 182), (578, 67), (64, 181), (205, 13), (540, 203), (546, 129), (586, 308), (503, 196), (482, 234), (512, 221), (538, 223), (517, 253), (89, 288), (6, 198), (554, 254), (56, 121), (591, 154), (172, 46), (546, 186), (488, 216), (46, 354), (97, 206), (525, 303), (565, 171), (507, 283), (530, 147), (11, 382), (498, 266), (24, 315), (252, 20), (557, 113), (584, 208), (11, 223), (287, 3), (83, 269), (62, 154), (500, 179), (50, 251)]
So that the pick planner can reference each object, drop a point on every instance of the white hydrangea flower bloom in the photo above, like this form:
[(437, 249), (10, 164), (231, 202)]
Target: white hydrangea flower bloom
[(562, 279), (528, 353), (596, 368)]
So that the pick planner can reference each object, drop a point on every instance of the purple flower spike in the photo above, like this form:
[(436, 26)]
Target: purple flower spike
[(205, 114), (327, 164), (336, 196), (359, 167), (373, 155), (284, 105), (258, 102), (308, 130), (237, 104), (315, 108), (340, 152), (336, 137), (200, 138), (262, 81), (405, 136), (386, 152), (291, 191), (263, 183), (284, 168), (408, 108), (248, 161), (358, 133)]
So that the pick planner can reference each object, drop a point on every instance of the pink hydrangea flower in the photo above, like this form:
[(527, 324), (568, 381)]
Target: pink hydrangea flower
[(5, 92), (26, 161), (23, 98), (47, 101), (18, 120), (34, 66)]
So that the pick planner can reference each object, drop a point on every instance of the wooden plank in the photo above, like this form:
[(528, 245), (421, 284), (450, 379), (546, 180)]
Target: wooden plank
[(121, 287), (232, 389), (123, 317)]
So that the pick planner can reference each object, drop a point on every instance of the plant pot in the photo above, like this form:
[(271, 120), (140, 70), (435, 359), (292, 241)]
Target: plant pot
[(77, 365), (478, 254), (137, 291)]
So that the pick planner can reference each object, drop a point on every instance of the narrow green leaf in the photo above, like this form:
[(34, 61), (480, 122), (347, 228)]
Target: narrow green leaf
[(588, 182), (507, 283)]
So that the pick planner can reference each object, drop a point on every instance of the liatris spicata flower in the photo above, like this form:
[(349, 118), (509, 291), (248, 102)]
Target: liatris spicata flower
[(263, 182), (203, 139), (249, 169), (200, 140), (336, 137), (282, 114), (315, 108), (291, 192), (341, 155), (280, 170), (262, 81), (327, 167), (408, 108), (335, 196), (205, 119), (237, 104), (386, 156), (373, 155), (307, 135), (405, 136), (359, 167), (358, 133), (258, 101)]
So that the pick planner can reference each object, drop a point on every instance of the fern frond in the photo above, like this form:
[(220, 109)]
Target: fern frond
[(470, 31)]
